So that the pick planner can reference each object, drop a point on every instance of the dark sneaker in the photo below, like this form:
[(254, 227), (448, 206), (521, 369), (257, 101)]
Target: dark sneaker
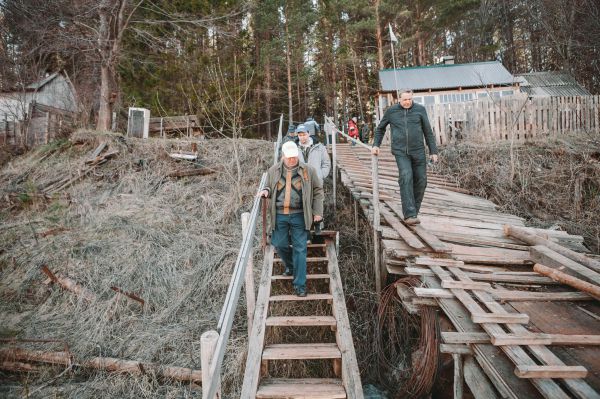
[(411, 221), (301, 292), (288, 273)]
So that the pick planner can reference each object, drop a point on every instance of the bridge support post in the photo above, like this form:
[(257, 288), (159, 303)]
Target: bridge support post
[(208, 342), (376, 222), (249, 277)]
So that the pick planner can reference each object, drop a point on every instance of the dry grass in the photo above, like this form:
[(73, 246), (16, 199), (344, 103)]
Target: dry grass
[(553, 184), (173, 242)]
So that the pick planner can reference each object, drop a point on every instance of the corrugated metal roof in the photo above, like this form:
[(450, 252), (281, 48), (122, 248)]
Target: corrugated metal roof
[(550, 84), (435, 77)]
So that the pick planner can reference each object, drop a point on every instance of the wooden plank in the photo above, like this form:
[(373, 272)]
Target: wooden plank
[(477, 381), (300, 321), (257, 336), (458, 376), (547, 387), (496, 366), (547, 257), (343, 333), (500, 318), (431, 240), (309, 297), (433, 293), (465, 285), (402, 230), (527, 371), (308, 388), (308, 277), (461, 349), (301, 351), (310, 259), (534, 239), (521, 339), (577, 387)]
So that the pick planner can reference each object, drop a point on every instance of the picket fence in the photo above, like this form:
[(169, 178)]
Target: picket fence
[(517, 118)]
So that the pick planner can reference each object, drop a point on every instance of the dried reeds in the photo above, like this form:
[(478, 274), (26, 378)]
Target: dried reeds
[(169, 240)]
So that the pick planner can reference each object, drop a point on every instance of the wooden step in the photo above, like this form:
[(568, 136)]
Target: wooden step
[(301, 352), (307, 388), (308, 277), (309, 297), (310, 259), (301, 321)]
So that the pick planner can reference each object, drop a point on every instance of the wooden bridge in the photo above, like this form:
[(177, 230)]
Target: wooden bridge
[(519, 328)]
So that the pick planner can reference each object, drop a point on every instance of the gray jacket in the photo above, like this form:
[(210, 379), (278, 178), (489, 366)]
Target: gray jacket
[(318, 158)]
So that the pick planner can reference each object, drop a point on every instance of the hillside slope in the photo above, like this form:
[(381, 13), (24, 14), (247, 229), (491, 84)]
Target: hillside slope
[(127, 224)]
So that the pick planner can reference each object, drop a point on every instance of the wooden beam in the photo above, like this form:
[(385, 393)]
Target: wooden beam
[(526, 371), (402, 230), (545, 256), (534, 239), (343, 333), (564, 278)]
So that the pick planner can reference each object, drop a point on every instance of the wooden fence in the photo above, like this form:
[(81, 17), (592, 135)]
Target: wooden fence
[(42, 124), (516, 118)]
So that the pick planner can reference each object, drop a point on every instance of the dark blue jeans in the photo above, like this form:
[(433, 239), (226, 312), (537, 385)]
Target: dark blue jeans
[(412, 179), (290, 229)]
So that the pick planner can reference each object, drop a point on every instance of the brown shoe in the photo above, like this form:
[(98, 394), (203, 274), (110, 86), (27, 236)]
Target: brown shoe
[(411, 221)]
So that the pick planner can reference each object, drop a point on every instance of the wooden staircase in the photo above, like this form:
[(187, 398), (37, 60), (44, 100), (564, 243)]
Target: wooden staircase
[(346, 378)]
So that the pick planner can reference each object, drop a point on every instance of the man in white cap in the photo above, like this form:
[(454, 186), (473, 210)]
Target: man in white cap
[(296, 193)]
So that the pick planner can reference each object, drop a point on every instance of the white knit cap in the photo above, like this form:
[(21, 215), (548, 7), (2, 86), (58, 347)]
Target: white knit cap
[(289, 149)]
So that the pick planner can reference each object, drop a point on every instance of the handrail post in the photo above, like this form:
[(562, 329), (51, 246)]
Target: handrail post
[(208, 342), (249, 277), (376, 221), (334, 151)]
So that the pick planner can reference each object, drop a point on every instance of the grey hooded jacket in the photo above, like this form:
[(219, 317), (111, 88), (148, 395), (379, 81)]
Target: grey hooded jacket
[(317, 157)]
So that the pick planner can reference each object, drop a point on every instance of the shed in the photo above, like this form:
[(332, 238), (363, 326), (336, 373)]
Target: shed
[(550, 84), (55, 90), (447, 82)]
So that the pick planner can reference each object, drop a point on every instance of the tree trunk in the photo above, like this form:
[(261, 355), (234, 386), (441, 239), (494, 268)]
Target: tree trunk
[(378, 35), (105, 110), (289, 70)]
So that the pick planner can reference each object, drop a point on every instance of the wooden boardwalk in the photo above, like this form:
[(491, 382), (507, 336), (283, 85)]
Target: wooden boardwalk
[(342, 378), (516, 332)]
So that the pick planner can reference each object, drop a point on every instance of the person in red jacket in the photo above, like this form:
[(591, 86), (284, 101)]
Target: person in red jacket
[(353, 128)]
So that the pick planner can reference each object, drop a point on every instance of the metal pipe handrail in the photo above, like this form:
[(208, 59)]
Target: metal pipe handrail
[(278, 142), (233, 294), (356, 141)]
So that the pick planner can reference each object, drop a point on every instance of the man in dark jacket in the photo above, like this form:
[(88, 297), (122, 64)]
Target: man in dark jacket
[(409, 124)]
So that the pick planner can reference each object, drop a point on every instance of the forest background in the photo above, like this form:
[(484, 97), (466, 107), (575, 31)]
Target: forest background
[(238, 64)]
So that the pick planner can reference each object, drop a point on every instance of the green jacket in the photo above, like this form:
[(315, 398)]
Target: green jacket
[(312, 192), (409, 126)]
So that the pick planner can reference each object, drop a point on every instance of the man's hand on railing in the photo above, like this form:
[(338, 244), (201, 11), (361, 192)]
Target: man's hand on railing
[(263, 193), (375, 151), (317, 218)]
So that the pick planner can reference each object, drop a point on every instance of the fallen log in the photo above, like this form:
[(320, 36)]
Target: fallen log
[(69, 285), (19, 367), (534, 239), (191, 172), (564, 278), (109, 364)]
